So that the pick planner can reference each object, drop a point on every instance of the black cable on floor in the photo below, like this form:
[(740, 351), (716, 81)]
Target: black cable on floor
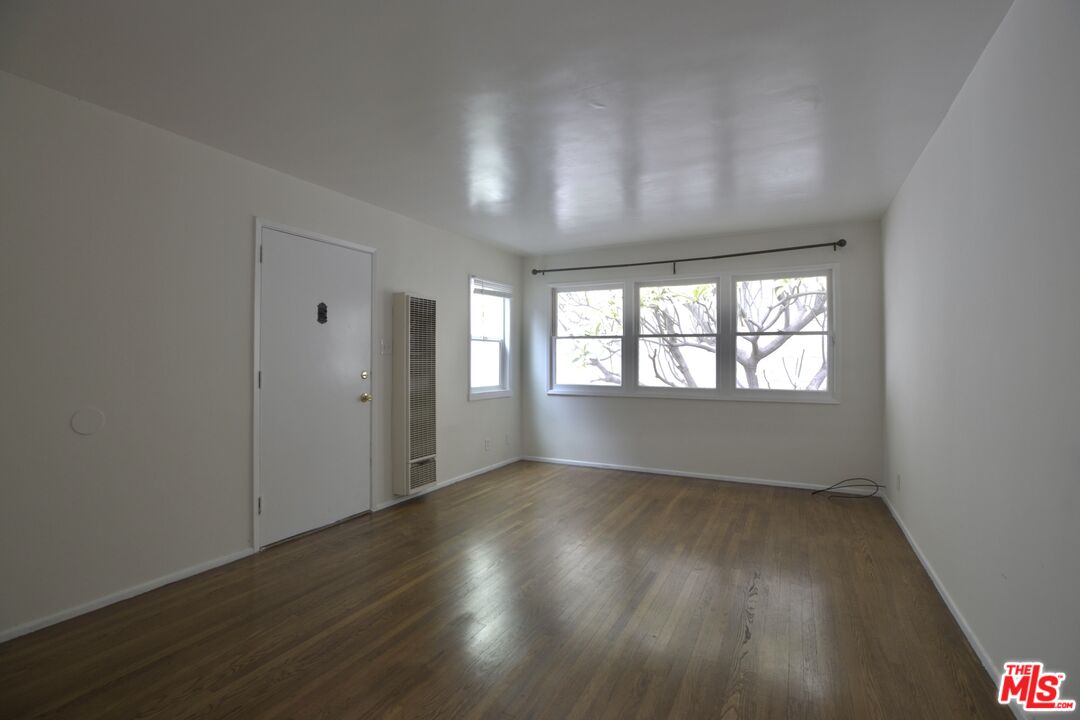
[(834, 490)]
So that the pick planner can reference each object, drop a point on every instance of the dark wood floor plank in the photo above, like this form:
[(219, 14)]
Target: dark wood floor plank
[(538, 591)]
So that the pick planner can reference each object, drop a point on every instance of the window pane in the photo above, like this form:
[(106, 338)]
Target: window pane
[(783, 304), (677, 309), (589, 312), (681, 362), (486, 364), (588, 362), (782, 362), (488, 316)]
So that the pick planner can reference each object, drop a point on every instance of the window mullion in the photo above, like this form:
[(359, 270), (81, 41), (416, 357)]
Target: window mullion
[(504, 351), (725, 343), (630, 329)]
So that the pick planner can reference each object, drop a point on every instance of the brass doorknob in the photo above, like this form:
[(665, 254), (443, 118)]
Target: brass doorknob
[(365, 397)]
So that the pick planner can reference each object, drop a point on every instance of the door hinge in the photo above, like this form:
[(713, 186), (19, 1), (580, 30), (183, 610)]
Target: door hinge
[(260, 380), (260, 253), (260, 506)]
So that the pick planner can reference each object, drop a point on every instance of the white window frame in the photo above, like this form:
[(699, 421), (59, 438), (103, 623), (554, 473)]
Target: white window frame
[(725, 345), (505, 387), (554, 335)]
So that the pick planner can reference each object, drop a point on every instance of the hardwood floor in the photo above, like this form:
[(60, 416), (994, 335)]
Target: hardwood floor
[(534, 591)]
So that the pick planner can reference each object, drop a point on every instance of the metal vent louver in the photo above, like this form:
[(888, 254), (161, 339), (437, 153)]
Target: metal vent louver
[(421, 378), (421, 474), (414, 393)]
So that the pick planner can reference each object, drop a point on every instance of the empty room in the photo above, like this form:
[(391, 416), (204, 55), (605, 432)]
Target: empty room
[(519, 359)]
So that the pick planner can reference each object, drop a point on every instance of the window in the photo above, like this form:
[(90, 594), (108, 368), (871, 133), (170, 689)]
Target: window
[(589, 336), (783, 333), (763, 336), (489, 339), (677, 334)]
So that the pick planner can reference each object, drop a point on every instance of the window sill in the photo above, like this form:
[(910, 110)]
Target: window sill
[(489, 394), (771, 396)]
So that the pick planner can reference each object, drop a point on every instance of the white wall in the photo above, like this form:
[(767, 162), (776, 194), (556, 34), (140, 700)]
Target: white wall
[(126, 283), (982, 251), (789, 442)]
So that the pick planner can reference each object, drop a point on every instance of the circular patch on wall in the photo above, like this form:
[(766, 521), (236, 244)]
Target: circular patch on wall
[(87, 420)]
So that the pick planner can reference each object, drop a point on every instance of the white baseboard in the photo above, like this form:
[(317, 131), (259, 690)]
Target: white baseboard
[(445, 483), (991, 667), (984, 657), (29, 627), (676, 473)]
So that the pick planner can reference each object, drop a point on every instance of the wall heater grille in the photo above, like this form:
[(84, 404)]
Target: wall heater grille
[(414, 393)]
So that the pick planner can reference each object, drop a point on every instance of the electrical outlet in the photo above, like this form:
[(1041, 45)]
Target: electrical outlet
[(897, 482), (487, 444), (507, 438)]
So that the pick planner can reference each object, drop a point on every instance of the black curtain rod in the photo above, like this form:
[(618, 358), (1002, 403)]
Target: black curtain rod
[(836, 244)]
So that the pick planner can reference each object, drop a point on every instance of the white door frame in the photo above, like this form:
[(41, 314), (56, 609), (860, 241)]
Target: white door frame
[(261, 223)]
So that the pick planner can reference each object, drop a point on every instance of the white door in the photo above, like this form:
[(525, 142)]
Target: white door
[(315, 357)]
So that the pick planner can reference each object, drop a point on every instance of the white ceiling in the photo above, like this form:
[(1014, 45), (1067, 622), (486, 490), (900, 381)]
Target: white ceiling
[(543, 125)]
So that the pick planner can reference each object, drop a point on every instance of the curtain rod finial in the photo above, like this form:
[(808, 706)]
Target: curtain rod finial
[(841, 242)]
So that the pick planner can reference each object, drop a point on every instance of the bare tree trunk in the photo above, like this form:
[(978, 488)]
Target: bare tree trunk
[(679, 361), (750, 366), (667, 324)]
